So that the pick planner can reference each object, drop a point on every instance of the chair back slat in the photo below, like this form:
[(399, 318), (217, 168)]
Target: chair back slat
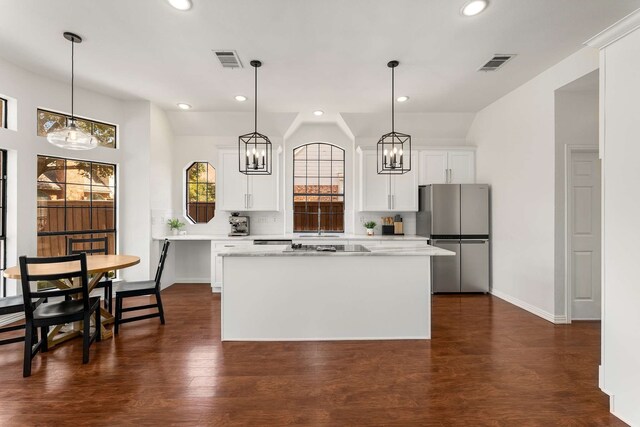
[(79, 274), (163, 257), (73, 249)]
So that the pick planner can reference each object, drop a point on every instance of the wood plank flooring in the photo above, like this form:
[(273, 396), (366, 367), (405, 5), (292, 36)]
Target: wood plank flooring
[(489, 363)]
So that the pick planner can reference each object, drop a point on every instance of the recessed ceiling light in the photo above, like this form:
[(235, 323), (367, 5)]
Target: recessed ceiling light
[(184, 106), (241, 98), (474, 7), (402, 99), (318, 113), (181, 4)]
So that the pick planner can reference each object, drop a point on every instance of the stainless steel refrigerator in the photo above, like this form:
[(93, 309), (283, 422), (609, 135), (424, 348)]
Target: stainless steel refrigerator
[(456, 217)]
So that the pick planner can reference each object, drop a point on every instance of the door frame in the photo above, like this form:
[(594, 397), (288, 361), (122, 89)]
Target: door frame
[(569, 151)]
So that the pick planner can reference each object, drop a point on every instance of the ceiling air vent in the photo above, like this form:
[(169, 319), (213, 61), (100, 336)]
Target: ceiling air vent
[(496, 62), (228, 58)]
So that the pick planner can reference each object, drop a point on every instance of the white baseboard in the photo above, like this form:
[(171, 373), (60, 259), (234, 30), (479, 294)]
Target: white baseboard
[(11, 318), (203, 280), (530, 308)]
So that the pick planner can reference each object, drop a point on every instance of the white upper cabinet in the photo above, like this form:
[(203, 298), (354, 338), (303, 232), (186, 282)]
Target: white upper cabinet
[(387, 193), (240, 192), (447, 167)]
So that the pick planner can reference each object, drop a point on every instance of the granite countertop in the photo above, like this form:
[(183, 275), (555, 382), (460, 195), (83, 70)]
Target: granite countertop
[(289, 236), (375, 250)]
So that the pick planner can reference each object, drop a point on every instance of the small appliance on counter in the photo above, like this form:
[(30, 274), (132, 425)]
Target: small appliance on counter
[(398, 226), (239, 225)]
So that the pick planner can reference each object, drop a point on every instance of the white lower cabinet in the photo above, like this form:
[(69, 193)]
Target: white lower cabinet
[(216, 261), (387, 193), (240, 192), (447, 167)]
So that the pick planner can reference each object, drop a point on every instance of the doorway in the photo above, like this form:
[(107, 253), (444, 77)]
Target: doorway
[(583, 233)]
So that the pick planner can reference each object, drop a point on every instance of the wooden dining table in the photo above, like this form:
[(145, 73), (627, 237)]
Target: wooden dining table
[(97, 267)]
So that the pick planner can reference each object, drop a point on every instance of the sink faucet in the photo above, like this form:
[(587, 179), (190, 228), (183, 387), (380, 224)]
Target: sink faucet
[(319, 228)]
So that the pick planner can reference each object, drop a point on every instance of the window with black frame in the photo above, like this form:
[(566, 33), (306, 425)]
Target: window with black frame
[(3, 221), (105, 133), (318, 188), (76, 198), (201, 192), (3, 113)]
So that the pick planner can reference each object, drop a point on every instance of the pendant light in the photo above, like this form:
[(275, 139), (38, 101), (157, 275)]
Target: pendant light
[(71, 136), (392, 146), (254, 149)]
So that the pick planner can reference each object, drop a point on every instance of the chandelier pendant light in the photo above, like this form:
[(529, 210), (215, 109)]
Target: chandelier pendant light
[(392, 146), (71, 136), (255, 149)]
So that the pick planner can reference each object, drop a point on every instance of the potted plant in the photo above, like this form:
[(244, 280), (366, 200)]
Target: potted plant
[(370, 225), (175, 225)]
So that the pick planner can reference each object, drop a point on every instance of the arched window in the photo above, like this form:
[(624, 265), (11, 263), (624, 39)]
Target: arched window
[(201, 192), (318, 188)]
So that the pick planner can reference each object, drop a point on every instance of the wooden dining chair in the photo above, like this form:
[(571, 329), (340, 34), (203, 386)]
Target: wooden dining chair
[(56, 313), (102, 249), (13, 305), (141, 288)]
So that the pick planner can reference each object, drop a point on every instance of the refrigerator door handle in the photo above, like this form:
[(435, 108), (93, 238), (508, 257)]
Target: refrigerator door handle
[(475, 241)]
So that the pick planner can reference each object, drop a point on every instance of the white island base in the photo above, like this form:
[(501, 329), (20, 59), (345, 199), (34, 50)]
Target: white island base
[(326, 297)]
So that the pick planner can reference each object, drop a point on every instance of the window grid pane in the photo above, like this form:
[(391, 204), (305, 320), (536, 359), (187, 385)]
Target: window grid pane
[(318, 188), (201, 192)]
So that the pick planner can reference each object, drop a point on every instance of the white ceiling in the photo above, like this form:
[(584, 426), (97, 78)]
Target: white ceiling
[(328, 54)]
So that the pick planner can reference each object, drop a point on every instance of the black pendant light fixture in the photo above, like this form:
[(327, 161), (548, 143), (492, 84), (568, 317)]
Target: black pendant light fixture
[(393, 146), (71, 136), (254, 149)]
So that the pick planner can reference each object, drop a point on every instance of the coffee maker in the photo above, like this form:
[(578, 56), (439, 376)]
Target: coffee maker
[(239, 225)]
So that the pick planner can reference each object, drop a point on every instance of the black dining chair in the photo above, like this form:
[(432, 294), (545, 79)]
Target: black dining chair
[(141, 288), (101, 249), (13, 305), (57, 313)]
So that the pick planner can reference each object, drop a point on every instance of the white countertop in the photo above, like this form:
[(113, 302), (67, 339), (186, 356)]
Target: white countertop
[(418, 249), (224, 237)]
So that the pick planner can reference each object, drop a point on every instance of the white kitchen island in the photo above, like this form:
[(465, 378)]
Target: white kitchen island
[(273, 295)]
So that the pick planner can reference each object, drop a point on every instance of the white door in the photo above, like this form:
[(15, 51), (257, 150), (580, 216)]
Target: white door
[(374, 188), (461, 167), (583, 224), (263, 191), (404, 189), (433, 167), (233, 184)]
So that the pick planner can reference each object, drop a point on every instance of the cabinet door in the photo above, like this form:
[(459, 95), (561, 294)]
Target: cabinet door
[(404, 189), (232, 185), (462, 167), (263, 191), (433, 167), (374, 189)]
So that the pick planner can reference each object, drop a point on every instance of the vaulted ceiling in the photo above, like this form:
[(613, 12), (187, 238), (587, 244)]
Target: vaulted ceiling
[(329, 55)]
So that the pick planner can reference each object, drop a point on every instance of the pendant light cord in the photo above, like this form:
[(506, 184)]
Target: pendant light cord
[(393, 104), (255, 101), (72, 77)]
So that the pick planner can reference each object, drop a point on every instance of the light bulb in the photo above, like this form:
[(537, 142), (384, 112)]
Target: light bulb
[(73, 135)]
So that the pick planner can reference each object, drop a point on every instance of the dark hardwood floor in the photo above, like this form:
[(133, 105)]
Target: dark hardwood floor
[(489, 363)]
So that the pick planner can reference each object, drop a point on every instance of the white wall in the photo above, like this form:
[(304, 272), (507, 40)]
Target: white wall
[(620, 374), (515, 138), (31, 91), (576, 123)]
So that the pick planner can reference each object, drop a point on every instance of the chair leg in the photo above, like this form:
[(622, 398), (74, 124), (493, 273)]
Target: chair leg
[(109, 292), (44, 347), (160, 308), (118, 313), (86, 338), (98, 325), (28, 345)]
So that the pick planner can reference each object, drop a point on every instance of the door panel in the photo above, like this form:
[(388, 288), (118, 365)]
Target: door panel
[(445, 205), (433, 167), (445, 270), (584, 235), (474, 266), (404, 189), (474, 209), (232, 184), (374, 188), (461, 167)]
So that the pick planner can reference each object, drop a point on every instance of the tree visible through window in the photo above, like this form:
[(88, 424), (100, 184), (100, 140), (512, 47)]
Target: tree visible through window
[(76, 198), (318, 188), (49, 121), (201, 192)]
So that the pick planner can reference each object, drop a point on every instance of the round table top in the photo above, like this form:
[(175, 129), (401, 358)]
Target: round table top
[(95, 264)]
